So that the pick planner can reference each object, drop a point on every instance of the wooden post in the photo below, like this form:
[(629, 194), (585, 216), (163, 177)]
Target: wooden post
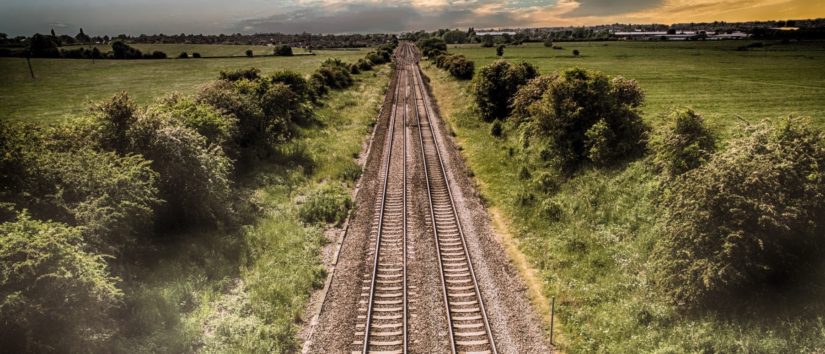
[(552, 318), (29, 61)]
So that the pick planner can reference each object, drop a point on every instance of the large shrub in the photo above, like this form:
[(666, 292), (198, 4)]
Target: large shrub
[(41, 46), (55, 295), (335, 74), (283, 50), (684, 144), (584, 116), (528, 95), (112, 196), (122, 50), (496, 84), (431, 47), (264, 110), (216, 127), (193, 175), (753, 215), (457, 65), (235, 75)]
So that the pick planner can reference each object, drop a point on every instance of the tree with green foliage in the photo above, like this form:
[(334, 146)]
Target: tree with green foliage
[(122, 50), (496, 84), (82, 37), (500, 50), (431, 47), (56, 295), (41, 46), (487, 41), (585, 116), (747, 220), (685, 143), (454, 37), (249, 53), (283, 51)]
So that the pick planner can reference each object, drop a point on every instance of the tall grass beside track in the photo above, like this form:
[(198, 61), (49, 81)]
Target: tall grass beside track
[(592, 256)]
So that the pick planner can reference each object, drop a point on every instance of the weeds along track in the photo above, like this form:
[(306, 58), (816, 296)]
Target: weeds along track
[(383, 308)]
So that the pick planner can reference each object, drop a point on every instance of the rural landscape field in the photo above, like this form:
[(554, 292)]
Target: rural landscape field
[(378, 177)]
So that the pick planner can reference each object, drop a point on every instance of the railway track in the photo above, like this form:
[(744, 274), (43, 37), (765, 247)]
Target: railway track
[(383, 314), (469, 327), (382, 324)]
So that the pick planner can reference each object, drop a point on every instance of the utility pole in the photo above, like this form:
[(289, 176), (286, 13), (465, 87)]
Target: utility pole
[(29, 61)]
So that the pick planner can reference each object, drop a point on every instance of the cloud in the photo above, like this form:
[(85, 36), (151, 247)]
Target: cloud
[(387, 17), (364, 16), (611, 7)]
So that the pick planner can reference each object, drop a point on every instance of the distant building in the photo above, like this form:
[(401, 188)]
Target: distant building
[(496, 33)]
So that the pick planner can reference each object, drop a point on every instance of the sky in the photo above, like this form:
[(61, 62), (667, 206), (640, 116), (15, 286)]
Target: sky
[(99, 17)]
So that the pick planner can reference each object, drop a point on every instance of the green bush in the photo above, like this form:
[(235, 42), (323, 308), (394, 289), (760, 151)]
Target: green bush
[(283, 51), (431, 47), (458, 65), (122, 50), (113, 197), (217, 128), (528, 95), (583, 116), (335, 74), (296, 82), (193, 175), (328, 204), (264, 110), (113, 118), (749, 218), (56, 295), (684, 144), (496, 84), (235, 75), (364, 64)]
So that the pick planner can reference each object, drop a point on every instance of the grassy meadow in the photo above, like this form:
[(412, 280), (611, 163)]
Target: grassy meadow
[(246, 293), (594, 256), (64, 87), (711, 77)]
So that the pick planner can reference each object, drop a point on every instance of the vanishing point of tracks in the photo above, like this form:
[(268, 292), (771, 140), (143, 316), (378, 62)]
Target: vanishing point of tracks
[(382, 324)]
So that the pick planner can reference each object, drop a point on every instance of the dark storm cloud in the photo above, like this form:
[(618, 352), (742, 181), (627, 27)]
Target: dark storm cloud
[(611, 7)]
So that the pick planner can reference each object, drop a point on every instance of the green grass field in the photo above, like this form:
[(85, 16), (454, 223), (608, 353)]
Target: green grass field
[(712, 77), (64, 87), (205, 50), (593, 258)]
